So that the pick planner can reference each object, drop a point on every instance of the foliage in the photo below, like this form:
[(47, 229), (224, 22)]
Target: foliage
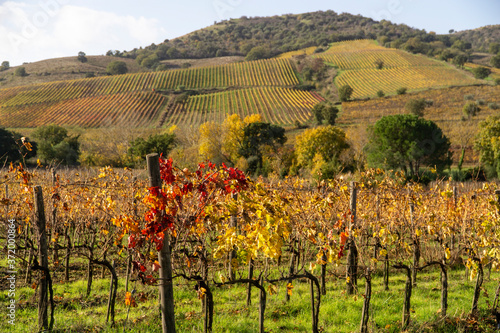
[(258, 53), (116, 68), (495, 61), (416, 106), (20, 71), (481, 72), (401, 91), (82, 57), (157, 143), (470, 109), (222, 143), (345, 93), (257, 136), (321, 148), (488, 144), (460, 60), (14, 147), (5, 65), (379, 64), (407, 142), (380, 93), (325, 113), (55, 145)]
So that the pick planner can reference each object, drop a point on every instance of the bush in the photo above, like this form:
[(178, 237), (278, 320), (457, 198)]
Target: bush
[(380, 94), (345, 93), (117, 68), (468, 97), (20, 71), (480, 102), (493, 106), (481, 72), (401, 91)]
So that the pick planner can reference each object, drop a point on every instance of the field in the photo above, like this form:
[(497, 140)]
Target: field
[(399, 69), (293, 233), (277, 105), (130, 99)]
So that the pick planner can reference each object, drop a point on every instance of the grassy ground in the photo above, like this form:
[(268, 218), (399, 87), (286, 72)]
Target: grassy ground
[(339, 312)]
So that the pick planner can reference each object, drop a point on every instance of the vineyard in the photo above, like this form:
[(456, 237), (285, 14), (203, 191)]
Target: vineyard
[(398, 69), (127, 99), (276, 105), (288, 55), (210, 230)]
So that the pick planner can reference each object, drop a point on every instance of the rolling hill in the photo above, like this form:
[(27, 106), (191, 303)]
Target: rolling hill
[(210, 92)]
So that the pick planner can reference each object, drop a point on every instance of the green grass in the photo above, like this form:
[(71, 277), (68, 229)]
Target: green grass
[(338, 313)]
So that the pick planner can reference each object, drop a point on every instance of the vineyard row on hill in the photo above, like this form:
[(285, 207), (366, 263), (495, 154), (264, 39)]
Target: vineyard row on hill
[(135, 109), (276, 105), (271, 72), (367, 82)]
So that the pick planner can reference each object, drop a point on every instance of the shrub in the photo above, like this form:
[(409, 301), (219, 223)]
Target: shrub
[(380, 94), (401, 91), (468, 97)]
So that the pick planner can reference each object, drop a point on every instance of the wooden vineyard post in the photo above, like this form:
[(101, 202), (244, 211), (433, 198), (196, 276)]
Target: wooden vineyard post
[(352, 257), (41, 235), (164, 258)]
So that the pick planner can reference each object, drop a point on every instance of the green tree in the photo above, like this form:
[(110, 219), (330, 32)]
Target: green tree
[(156, 143), (257, 53), (488, 145), (55, 145), (325, 113), (460, 60), (380, 93), (345, 93), (401, 91), (494, 48), (82, 57), (481, 72), (20, 71), (379, 64), (319, 149), (116, 68), (256, 136), (416, 106), (8, 147), (5, 66), (407, 142), (470, 109), (495, 61)]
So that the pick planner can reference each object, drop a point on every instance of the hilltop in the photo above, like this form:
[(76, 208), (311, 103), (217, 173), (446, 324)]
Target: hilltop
[(59, 69)]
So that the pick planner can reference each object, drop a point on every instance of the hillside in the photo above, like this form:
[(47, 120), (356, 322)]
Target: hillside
[(191, 96), (59, 69), (480, 38)]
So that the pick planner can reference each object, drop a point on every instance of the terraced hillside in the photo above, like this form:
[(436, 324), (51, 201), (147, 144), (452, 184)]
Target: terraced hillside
[(276, 105), (135, 100), (369, 68)]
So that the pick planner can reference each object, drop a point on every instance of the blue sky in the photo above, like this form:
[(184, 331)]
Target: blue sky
[(32, 30)]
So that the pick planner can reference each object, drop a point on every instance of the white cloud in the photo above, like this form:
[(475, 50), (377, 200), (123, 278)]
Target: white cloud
[(50, 28)]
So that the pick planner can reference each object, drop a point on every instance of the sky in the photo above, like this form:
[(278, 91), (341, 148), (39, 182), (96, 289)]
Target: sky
[(33, 30)]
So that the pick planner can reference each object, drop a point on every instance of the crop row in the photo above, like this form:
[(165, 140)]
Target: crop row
[(306, 51), (272, 72), (366, 59), (367, 82), (354, 46), (276, 105), (134, 109)]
